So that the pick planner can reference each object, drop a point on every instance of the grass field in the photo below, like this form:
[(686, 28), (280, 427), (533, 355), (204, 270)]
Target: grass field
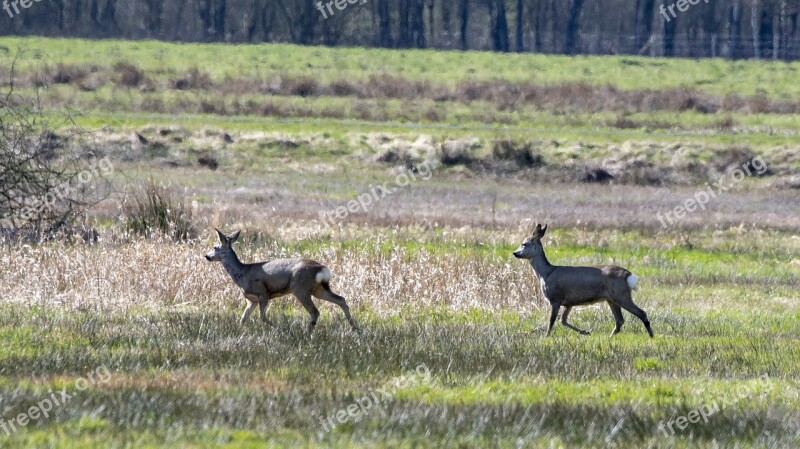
[(142, 335), (220, 61)]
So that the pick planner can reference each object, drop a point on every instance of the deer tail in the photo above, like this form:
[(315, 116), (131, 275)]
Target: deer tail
[(323, 276), (633, 281)]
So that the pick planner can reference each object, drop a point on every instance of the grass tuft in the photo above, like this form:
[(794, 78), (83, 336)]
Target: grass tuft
[(154, 210)]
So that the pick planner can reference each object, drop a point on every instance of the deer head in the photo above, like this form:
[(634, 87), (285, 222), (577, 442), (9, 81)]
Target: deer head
[(528, 249), (224, 246)]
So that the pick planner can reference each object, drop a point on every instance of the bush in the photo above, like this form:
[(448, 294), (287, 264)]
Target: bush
[(208, 161), (48, 180), (129, 75), (192, 79), (304, 86), (65, 74), (455, 152), (520, 153), (153, 210)]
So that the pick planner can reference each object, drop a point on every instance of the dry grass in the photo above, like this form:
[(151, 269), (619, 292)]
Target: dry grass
[(164, 321), (428, 272), (156, 274), (125, 87), (502, 94), (391, 272), (153, 209), (451, 296)]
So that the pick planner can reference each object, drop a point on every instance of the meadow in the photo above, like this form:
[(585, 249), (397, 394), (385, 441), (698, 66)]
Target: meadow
[(287, 132)]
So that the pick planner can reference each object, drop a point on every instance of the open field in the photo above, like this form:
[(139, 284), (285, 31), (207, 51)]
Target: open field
[(425, 87), (184, 372), (427, 269), (776, 79)]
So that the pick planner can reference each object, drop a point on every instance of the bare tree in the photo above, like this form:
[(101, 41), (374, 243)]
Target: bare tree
[(555, 30), (464, 13), (555, 26), (384, 24), (670, 28), (572, 26), (733, 29), (755, 15), (518, 36), (643, 27), (212, 13), (497, 12), (411, 28), (46, 183)]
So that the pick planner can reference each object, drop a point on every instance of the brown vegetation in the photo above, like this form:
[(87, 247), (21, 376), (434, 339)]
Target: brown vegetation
[(227, 96)]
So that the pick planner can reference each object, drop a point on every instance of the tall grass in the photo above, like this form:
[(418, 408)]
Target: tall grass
[(153, 209), (185, 373)]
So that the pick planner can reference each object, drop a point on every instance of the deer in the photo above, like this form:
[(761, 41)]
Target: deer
[(568, 287), (263, 281)]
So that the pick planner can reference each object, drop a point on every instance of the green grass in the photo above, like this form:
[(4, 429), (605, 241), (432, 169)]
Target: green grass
[(190, 376), (347, 117), (200, 373), (118, 104), (756, 128), (768, 259), (184, 373), (719, 76), (571, 141)]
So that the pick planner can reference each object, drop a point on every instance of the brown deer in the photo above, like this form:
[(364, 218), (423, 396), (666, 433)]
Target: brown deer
[(264, 281), (577, 286)]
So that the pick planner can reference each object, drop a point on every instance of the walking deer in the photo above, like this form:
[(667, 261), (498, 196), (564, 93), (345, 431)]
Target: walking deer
[(264, 281), (577, 286)]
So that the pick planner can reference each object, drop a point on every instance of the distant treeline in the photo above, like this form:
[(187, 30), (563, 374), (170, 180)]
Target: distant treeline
[(689, 28)]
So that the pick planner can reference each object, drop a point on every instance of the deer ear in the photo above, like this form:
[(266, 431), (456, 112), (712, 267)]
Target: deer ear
[(221, 236), (235, 236), (544, 229)]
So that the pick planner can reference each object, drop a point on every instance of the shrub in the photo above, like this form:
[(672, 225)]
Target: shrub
[(192, 79), (65, 74), (48, 179), (455, 152), (303, 86), (208, 161), (128, 75), (153, 210), (521, 153)]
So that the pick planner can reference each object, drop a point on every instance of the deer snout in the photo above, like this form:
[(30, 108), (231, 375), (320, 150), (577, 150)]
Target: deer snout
[(518, 254)]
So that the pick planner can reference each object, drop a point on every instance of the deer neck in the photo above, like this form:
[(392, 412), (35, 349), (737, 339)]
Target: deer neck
[(233, 266), (540, 264)]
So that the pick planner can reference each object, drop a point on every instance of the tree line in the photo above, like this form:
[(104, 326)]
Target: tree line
[(687, 28)]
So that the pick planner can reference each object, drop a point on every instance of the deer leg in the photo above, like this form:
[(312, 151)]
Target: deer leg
[(250, 307), (564, 321), (553, 316), (628, 305), (618, 318), (324, 292), (263, 303), (305, 300)]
